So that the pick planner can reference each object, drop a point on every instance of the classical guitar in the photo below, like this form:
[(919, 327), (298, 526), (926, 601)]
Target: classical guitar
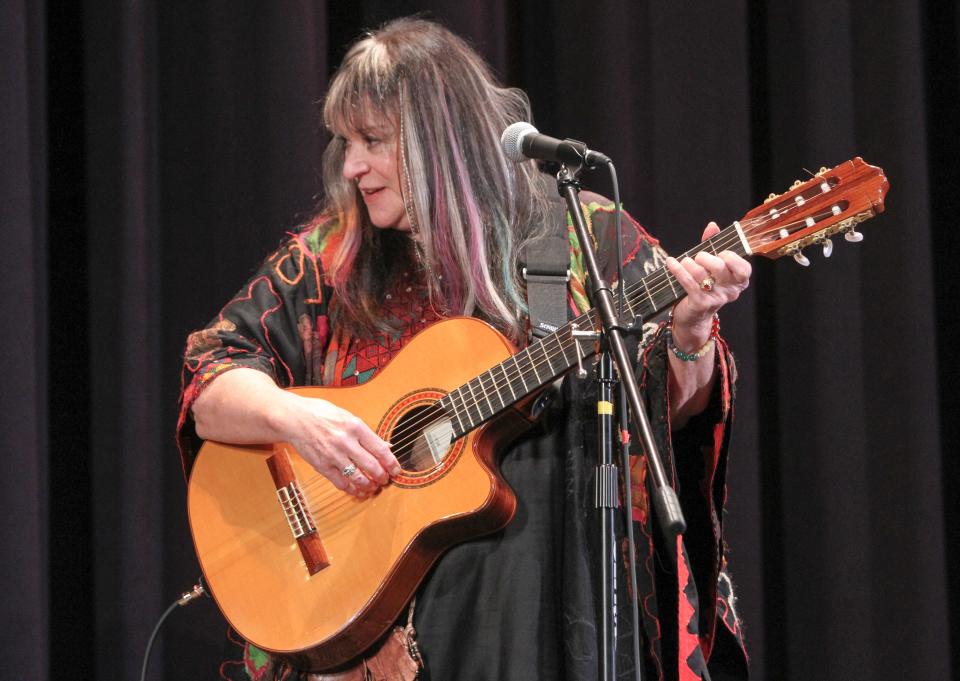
[(303, 570)]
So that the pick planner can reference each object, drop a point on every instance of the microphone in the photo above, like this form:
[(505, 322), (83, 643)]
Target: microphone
[(521, 141)]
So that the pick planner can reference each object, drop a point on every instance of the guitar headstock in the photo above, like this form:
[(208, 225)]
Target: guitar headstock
[(810, 212)]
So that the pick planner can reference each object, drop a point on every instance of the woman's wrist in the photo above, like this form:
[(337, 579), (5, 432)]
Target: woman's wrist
[(691, 328), (691, 342)]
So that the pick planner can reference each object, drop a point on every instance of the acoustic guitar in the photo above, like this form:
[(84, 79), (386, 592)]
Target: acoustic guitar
[(305, 571)]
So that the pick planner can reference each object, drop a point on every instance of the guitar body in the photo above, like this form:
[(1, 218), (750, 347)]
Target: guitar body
[(376, 550)]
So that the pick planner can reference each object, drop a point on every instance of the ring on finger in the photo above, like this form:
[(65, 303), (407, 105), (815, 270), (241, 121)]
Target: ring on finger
[(349, 470), (707, 284)]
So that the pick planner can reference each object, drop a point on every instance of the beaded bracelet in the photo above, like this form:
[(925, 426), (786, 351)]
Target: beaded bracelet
[(704, 349)]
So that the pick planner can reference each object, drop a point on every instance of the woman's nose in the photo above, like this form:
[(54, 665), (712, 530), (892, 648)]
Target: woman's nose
[(354, 164)]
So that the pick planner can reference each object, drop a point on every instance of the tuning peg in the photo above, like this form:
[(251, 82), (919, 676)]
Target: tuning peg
[(853, 236), (801, 259), (827, 248), (796, 183)]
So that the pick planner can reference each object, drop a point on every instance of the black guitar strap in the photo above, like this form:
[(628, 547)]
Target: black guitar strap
[(546, 270)]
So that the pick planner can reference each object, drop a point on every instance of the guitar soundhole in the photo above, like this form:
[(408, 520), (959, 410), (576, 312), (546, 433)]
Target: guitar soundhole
[(419, 438)]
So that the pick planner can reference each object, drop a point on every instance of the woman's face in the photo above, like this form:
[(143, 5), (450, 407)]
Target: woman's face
[(370, 161)]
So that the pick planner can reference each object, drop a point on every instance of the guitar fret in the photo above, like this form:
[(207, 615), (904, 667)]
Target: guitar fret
[(591, 321), (520, 373), (493, 380), (629, 303), (563, 349), (466, 410), (651, 305), (649, 297), (533, 366), (483, 391), (457, 415), (550, 355), (556, 341), (565, 344), (543, 349), (509, 384), (451, 409), (671, 297), (670, 280), (473, 396)]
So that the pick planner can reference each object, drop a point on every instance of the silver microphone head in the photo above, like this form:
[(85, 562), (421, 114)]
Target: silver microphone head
[(511, 141)]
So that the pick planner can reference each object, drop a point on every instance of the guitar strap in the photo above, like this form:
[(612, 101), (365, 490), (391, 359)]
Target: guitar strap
[(546, 271)]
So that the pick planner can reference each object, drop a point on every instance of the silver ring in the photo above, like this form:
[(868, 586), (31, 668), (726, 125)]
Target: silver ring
[(349, 470), (707, 284)]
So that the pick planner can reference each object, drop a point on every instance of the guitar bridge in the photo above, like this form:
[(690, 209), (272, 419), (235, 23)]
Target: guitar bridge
[(298, 517), (295, 510)]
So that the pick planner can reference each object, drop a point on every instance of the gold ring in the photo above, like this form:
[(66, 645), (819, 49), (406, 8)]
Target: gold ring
[(707, 284)]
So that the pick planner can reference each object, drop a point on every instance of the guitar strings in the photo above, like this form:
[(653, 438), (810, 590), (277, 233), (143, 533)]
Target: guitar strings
[(329, 501), (499, 386), (655, 283), (510, 375), (658, 282), (411, 430)]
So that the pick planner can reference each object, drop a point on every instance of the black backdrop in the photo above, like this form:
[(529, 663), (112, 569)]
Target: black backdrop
[(154, 151)]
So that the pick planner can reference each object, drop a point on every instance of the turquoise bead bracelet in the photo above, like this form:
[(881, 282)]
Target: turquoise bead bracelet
[(704, 349)]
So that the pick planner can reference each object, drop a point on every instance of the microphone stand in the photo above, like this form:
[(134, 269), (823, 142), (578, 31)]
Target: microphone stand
[(607, 498)]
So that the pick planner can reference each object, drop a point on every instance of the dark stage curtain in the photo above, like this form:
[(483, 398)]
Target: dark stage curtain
[(154, 152)]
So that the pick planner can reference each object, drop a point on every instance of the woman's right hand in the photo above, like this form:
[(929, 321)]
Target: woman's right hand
[(245, 406), (332, 440)]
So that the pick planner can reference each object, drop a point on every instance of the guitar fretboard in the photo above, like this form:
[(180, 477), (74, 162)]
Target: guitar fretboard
[(481, 398)]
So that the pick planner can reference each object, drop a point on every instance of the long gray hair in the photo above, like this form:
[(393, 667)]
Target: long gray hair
[(470, 208)]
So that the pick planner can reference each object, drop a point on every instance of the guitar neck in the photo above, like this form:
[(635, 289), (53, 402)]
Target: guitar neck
[(481, 398)]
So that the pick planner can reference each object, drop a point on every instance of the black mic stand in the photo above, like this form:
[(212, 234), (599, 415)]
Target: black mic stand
[(665, 499)]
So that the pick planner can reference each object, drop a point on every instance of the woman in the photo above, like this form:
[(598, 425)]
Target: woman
[(424, 218)]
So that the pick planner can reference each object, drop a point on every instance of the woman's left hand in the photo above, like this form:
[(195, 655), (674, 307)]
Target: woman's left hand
[(711, 281)]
